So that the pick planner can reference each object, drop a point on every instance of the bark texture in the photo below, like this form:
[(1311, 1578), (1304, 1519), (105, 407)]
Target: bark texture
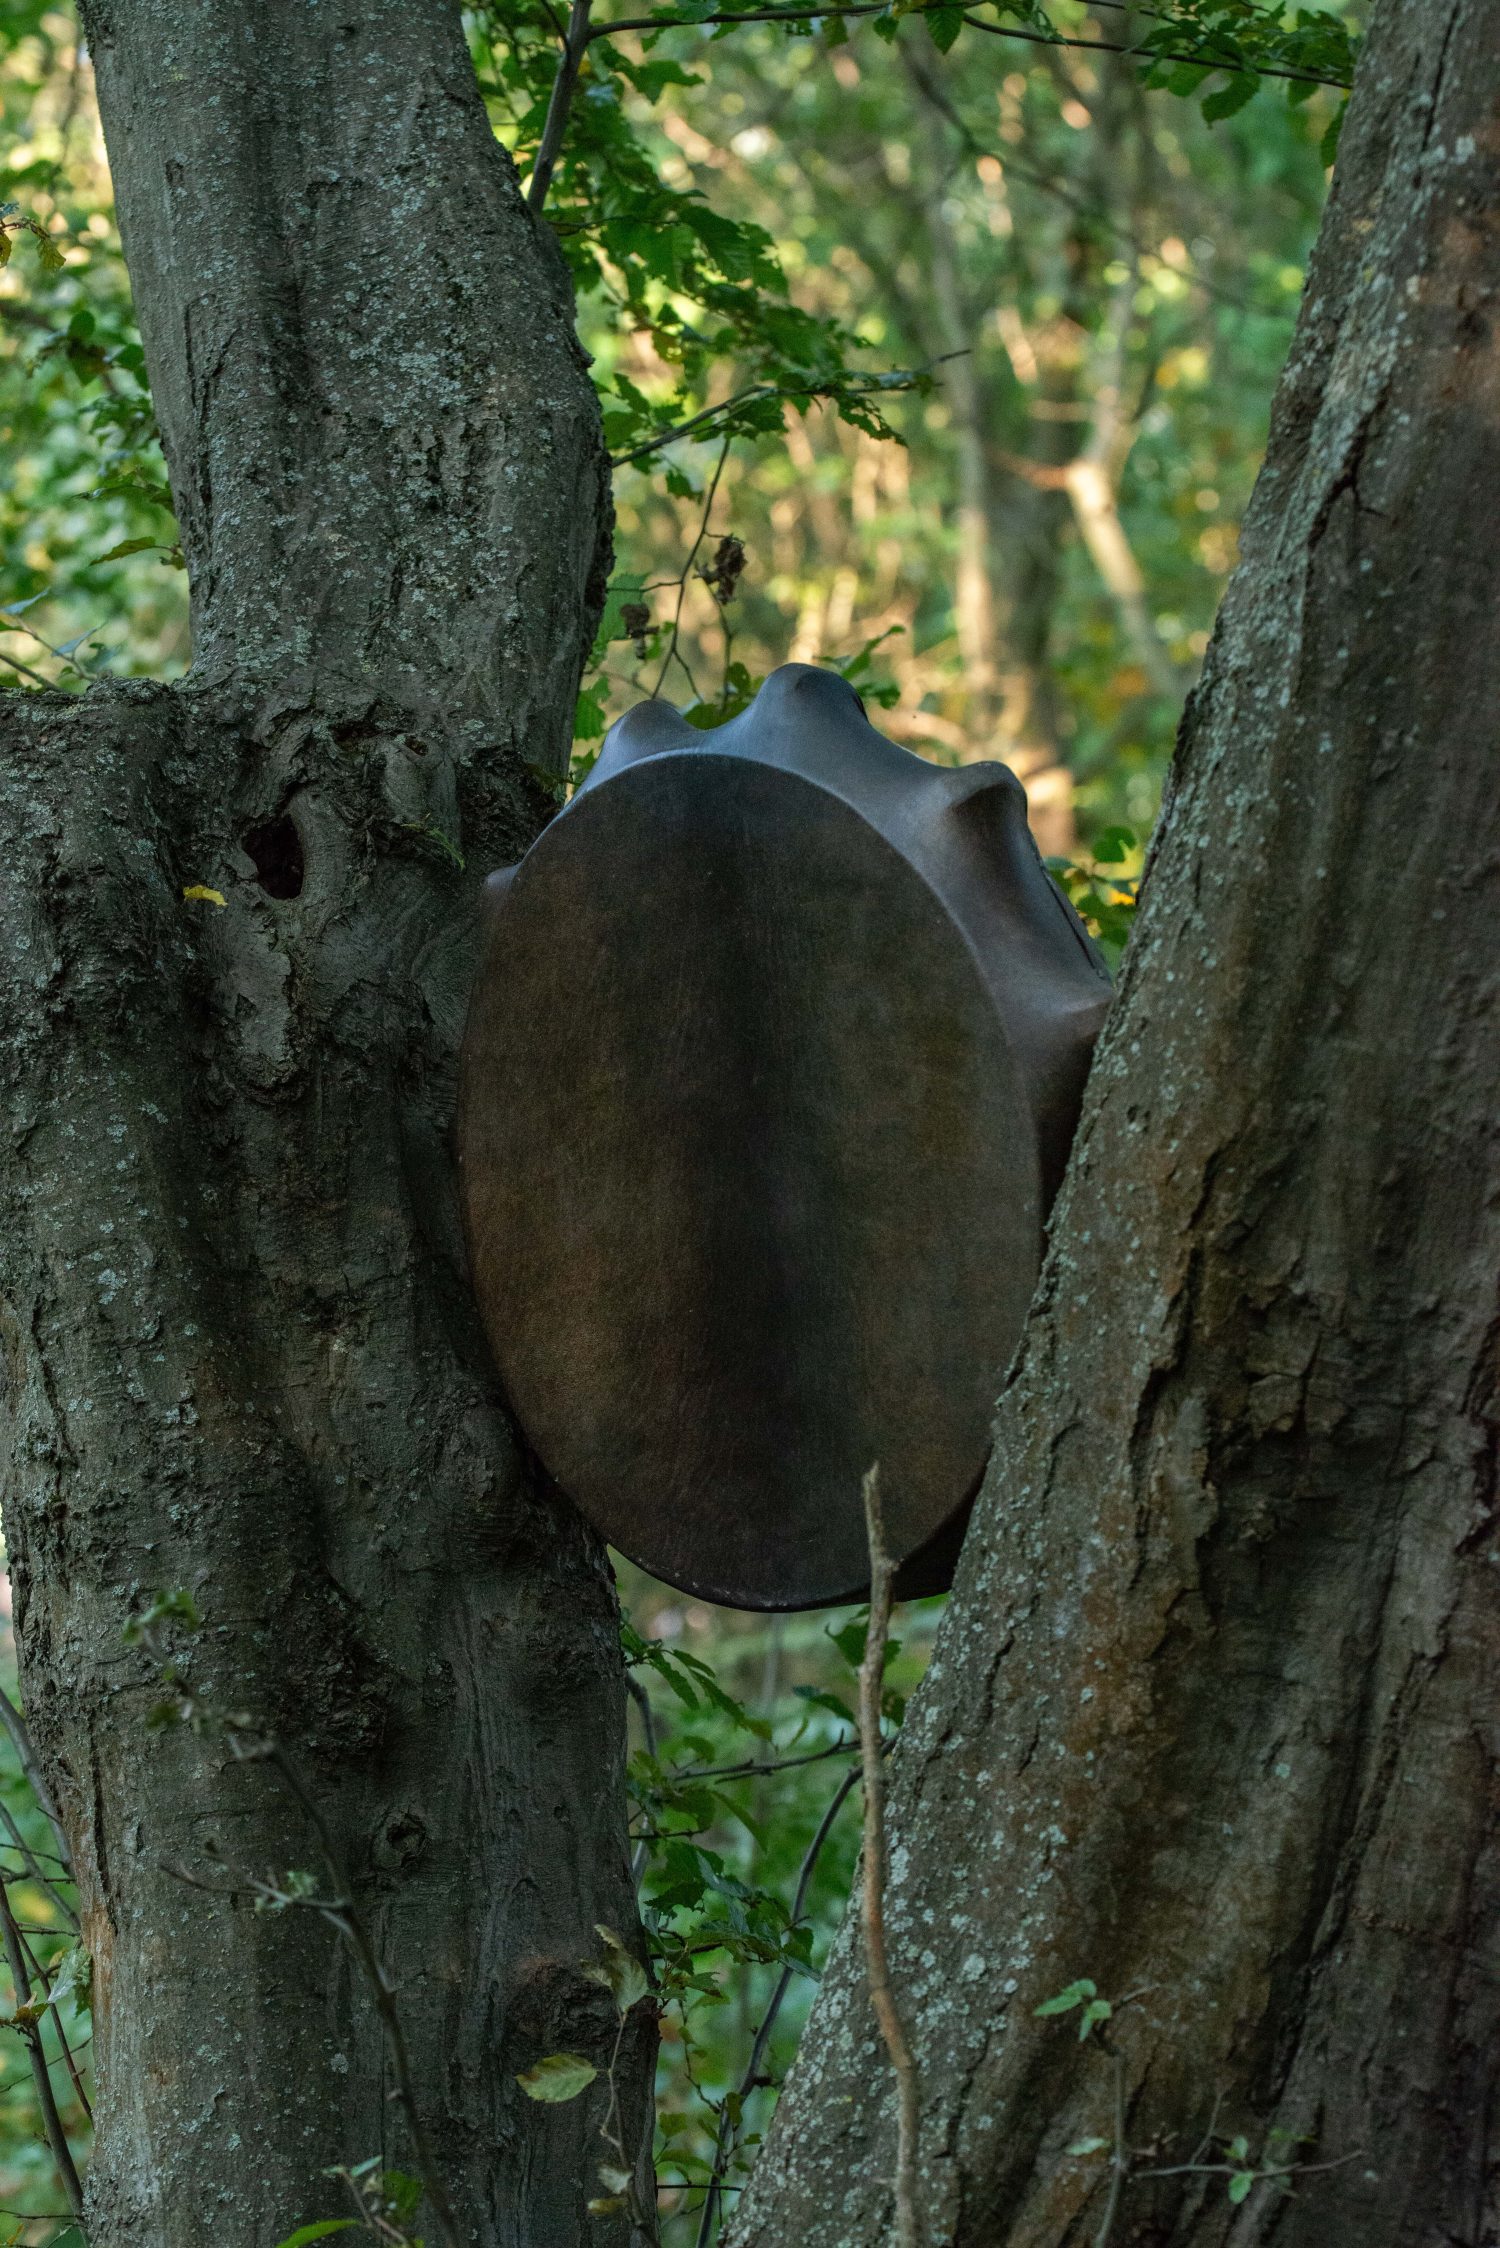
[(1211, 1719), (239, 1351)]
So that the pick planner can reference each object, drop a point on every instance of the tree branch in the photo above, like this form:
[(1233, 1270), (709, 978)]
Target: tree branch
[(996, 30), (564, 86)]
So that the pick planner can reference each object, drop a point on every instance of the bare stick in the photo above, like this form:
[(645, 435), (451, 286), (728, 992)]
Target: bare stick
[(57, 2138), (564, 86), (872, 1894)]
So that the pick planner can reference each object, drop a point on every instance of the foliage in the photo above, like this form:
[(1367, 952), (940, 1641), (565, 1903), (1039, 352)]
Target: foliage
[(735, 1771), (738, 260)]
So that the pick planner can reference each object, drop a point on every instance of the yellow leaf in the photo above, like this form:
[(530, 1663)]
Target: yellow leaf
[(209, 897)]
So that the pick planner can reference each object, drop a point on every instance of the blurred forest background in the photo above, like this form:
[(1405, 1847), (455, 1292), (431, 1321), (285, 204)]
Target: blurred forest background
[(942, 359)]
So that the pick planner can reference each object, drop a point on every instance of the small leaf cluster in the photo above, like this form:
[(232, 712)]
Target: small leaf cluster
[(1104, 899), (1082, 1996), (1239, 44), (13, 222)]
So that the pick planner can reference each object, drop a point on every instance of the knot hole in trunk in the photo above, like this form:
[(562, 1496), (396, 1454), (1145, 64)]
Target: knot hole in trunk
[(275, 847)]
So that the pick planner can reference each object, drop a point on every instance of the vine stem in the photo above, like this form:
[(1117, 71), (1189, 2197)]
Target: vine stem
[(872, 1890)]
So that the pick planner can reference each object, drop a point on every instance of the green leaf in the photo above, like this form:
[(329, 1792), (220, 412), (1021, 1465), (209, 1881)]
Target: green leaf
[(850, 1639), (944, 24), (1240, 2184), (620, 1972), (128, 546), (1088, 2146), (820, 1699), (176, 1607), (402, 2194), (560, 2077), (589, 717), (72, 1978), (1115, 844), (1231, 98), (319, 2231), (1097, 2010), (1066, 2000)]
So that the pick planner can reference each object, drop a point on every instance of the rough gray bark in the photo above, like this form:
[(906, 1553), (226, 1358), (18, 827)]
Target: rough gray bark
[(1211, 1718), (240, 1355)]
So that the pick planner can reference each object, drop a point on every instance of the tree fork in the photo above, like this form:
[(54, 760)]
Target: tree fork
[(240, 1353), (1210, 1718)]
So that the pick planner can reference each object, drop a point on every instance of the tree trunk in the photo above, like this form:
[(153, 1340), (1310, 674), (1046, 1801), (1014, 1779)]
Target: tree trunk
[(1210, 1720), (240, 1353)]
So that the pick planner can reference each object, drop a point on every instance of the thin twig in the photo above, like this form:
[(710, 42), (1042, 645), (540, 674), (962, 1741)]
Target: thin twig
[(872, 1890), (764, 1771), (24, 670), (859, 386), (57, 2138), (33, 1866), (564, 86), (814, 1851), (695, 421), (1237, 2169), (708, 508)]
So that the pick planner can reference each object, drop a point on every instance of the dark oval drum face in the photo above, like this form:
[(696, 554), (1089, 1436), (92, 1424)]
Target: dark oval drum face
[(749, 1178)]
